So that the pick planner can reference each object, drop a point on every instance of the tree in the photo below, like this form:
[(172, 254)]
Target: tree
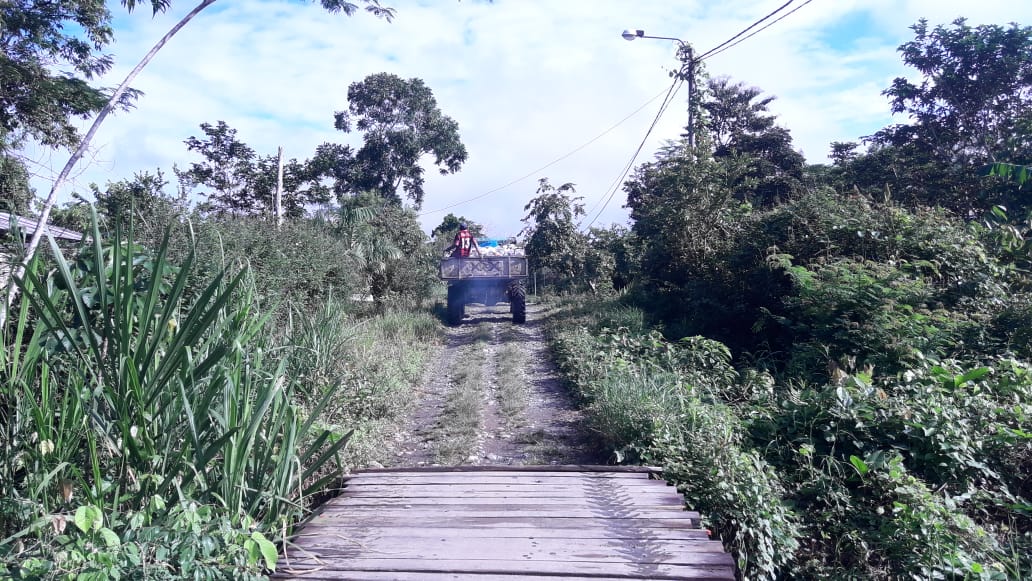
[(443, 235), (38, 41), (742, 128), (401, 123), (227, 169), (625, 249), (389, 246), (16, 195), (554, 245), (118, 97), (971, 107), (244, 183)]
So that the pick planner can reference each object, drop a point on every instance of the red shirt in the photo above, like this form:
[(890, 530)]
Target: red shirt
[(463, 243)]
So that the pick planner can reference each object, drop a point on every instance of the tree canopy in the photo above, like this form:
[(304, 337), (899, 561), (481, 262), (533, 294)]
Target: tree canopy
[(48, 53), (401, 123)]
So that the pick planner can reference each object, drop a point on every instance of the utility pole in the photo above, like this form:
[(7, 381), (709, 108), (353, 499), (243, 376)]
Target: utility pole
[(687, 72), (689, 64), (278, 202)]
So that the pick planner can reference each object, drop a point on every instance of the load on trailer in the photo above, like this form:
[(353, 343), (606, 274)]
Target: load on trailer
[(488, 280)]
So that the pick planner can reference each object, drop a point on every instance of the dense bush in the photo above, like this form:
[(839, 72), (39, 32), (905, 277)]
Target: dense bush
[(923, 473), (656, 402), (149, 422)]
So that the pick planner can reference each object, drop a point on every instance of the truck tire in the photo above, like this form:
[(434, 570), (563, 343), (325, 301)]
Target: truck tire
[(456, 305), (518, 303)]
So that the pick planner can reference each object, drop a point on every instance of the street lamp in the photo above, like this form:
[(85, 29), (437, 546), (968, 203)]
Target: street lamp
[(687, 73)]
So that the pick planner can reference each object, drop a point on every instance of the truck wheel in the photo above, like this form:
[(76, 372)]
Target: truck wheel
[(456, 305), (518, 303)]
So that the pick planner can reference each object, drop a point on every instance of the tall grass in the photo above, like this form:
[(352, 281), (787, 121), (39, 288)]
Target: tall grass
[(368, 366), (126, 403)]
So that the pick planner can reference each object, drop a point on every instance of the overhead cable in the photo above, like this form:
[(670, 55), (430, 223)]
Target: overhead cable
[(746, 29), (615, 186), (549, 164), (715, 52)]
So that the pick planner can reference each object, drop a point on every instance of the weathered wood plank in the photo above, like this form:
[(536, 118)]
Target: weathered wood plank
[(666, 501), (345, 530), (447, 477), (529, 492), (456, 489), (506, 524), (501, 511), (513, 522), (528, 549), (642, 570), (630, 570), (578, 468), (327, 574)]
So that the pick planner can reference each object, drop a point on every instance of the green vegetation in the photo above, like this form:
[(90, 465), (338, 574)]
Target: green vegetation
[(460, 421), (833, 363)]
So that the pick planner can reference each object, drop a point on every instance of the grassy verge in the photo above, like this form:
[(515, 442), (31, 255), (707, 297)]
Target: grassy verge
[(369, 366)]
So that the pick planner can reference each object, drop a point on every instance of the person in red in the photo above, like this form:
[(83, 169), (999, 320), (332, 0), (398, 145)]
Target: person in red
[(464, 243)]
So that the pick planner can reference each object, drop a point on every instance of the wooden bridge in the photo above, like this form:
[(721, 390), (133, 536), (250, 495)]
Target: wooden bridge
[(507, 523)]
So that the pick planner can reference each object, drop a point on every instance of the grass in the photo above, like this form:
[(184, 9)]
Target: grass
[(511, 390), (462, 416)]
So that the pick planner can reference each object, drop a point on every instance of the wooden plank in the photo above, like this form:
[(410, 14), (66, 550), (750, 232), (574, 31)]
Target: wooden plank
[(510, 480), (485, 472), (328, 574), (519, 521), (712, 562), (641, 501), (346, 531), (528, 549), (510, 468), (543, 492), (430, 511), (457, 489)]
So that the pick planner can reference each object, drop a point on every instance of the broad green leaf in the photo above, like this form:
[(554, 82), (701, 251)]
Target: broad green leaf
[(860, 465), (110, 538), (267, 548)]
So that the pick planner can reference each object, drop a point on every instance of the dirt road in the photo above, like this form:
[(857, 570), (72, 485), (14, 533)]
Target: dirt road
[(498, 380)]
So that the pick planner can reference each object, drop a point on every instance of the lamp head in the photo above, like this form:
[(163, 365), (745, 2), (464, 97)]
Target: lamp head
[(632, 34)]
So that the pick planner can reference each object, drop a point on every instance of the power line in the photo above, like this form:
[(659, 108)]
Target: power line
[(715, 52), (747, 29), (547, 165), (674, 87)]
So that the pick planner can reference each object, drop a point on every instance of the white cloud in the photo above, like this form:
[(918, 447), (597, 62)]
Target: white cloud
[(528, 81)]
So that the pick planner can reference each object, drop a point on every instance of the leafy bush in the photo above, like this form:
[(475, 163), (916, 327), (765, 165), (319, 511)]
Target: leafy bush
[(653, 401), (118, 391)]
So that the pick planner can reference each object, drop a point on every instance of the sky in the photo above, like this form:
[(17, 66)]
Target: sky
[(539, 88)]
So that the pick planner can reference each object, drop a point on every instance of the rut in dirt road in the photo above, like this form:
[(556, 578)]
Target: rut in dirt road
[(493, 397)]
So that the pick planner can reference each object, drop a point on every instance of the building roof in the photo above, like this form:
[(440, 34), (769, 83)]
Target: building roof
[(28, 226)]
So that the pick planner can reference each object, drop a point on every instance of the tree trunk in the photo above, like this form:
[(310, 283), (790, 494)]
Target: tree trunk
[(48, 205)]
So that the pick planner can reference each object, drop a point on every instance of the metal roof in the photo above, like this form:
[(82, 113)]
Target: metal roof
[(28, 226)]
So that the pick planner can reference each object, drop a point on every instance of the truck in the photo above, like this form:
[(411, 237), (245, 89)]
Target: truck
[(487, 280)]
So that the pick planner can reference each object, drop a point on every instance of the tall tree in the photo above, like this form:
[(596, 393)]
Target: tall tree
[(401, 123), (48, 53), (228, 168), (553, 244), (244, 183), (971, 106), (741, 126)]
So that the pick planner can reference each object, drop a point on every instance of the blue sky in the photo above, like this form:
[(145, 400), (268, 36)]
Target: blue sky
[(528, 81)]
